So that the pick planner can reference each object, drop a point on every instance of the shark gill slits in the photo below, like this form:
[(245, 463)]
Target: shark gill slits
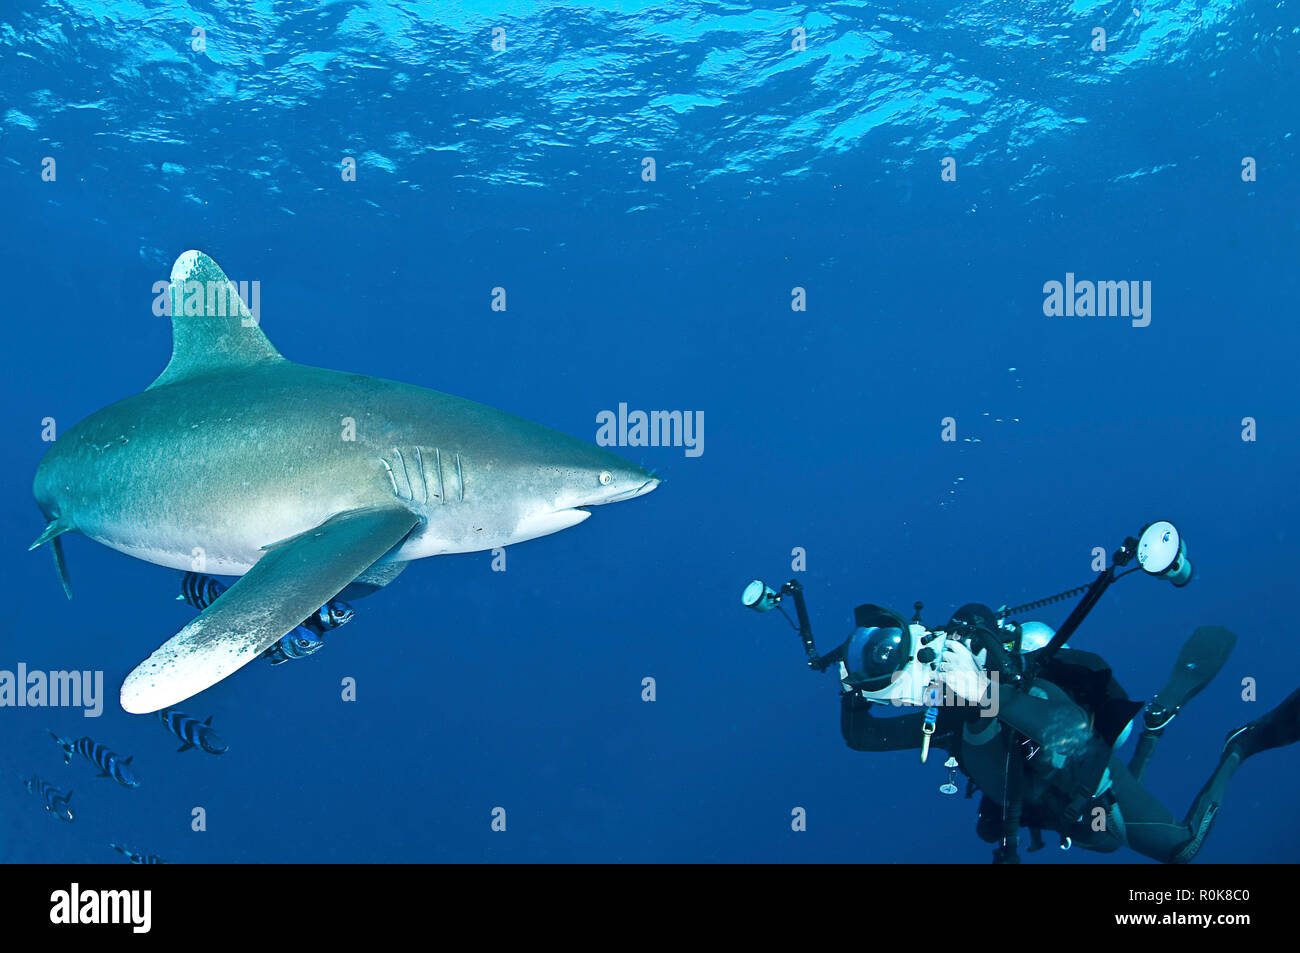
[(403, 467)]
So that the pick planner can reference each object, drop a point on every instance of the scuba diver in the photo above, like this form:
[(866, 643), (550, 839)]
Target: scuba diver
[(1036, 726)]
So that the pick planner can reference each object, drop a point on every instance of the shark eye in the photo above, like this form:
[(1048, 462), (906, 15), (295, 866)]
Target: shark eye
[(606, 478)]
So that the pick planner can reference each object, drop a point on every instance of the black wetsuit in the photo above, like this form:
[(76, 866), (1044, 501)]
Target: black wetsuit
[(1061, 734)]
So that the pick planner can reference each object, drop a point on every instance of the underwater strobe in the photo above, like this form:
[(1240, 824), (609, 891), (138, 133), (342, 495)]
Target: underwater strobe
[(760, 597), (1162, 553)]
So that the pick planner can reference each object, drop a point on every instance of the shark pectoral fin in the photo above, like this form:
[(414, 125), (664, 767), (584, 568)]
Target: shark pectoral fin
[(287, 584), (372, 580)]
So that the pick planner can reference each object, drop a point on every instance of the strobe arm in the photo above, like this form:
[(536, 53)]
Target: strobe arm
[(817, 663), (1123, 556)]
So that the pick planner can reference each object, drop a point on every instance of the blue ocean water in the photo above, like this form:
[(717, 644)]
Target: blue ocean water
[(776, 168)]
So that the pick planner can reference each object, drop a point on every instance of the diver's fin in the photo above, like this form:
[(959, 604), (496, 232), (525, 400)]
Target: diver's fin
[(1278, 728), (289, 582), (1201, 658), (212, 329)]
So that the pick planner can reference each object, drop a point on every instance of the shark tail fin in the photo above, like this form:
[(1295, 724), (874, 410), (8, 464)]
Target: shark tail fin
[(53, 530), (213, 330)]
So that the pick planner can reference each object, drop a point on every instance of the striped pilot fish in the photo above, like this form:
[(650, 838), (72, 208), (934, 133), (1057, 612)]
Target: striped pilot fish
[(110, 763), (299, 643), (56, 802), (201, 591), (329, 616), (195, 733), (136, 858)]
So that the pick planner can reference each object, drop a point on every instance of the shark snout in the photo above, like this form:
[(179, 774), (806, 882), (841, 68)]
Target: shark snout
[(608, 478), (630, 491)]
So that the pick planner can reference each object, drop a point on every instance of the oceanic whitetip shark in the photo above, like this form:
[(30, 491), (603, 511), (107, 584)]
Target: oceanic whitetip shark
[(302, 481)]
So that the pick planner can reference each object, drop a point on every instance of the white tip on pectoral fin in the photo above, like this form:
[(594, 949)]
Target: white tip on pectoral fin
[(289, 583), (196, 658)]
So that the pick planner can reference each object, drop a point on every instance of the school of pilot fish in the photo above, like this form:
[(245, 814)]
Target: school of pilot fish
[(198, 591)]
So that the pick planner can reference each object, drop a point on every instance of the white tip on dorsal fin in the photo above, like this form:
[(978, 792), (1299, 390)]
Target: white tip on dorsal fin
[(213, 328)]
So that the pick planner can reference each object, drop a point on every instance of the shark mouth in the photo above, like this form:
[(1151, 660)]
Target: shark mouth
[(544, 524), (632, 494)]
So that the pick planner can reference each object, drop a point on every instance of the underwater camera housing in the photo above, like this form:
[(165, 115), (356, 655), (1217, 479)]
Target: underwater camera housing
[(1162, 552)]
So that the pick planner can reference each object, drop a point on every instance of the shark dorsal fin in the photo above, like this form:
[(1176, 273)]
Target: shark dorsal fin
[(212, 329)]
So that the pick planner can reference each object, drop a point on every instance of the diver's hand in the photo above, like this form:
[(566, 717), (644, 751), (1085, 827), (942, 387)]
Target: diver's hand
[(962, 672)]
